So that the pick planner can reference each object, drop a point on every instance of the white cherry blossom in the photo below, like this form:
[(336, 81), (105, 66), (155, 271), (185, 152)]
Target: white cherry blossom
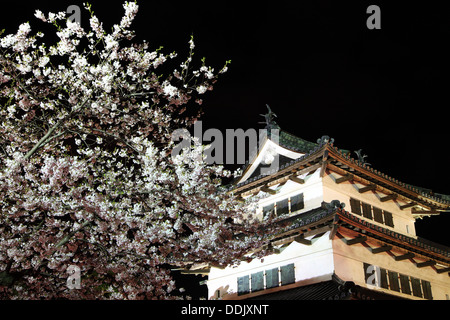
[(86, 175)]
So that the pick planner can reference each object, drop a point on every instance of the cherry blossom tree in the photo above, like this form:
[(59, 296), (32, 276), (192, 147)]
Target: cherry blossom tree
[(86, 173)]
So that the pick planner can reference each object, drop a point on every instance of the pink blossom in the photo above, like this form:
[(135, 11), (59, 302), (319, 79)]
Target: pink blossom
[(85, 173)]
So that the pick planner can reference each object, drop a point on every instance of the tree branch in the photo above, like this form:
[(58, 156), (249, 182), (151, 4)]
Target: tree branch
[(46, 138), (70, 235), (43, 139)]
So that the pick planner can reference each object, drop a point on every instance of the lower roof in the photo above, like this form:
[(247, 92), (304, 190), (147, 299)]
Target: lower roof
[(334, 289)]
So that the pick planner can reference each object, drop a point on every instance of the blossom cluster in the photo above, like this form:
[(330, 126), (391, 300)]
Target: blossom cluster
[(86, 176)]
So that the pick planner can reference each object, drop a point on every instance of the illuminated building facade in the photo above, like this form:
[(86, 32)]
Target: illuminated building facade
[(351, 230)]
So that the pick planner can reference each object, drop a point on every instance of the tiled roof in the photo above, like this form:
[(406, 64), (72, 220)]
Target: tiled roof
[(419, 245), (441, 198), (309, 217), (326, 290), (290, 141), (329, 213), (294, 143), (334, 289)]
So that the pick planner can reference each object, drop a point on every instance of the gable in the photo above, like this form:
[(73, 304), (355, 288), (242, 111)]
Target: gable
[(270, 157)]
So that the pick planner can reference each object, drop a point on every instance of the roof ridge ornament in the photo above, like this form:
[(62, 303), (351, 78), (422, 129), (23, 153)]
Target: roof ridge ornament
[(361, 157), (334, 204), (325, 139), (268, 117)]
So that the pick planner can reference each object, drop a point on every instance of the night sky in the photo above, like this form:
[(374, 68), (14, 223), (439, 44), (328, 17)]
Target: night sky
[(321, 70)]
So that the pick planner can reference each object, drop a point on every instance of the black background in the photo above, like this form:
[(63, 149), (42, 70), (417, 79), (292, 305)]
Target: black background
[(320, 69)]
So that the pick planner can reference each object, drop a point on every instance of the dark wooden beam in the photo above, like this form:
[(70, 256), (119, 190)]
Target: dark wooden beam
[(335, 227), (408, 205), (347, 177), (323, 167), (356, 240), (317, 231), (405, 256), (309, 169), (296, 179), (271, 248), (199, 271), (367, 188), (392, 196), (380, 249), (268, 190), (432, 211), (324, 163), (301, 239), (443, 270), (425, 264)]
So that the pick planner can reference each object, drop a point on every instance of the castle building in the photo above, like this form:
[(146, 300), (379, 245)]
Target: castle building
[(350, 235)]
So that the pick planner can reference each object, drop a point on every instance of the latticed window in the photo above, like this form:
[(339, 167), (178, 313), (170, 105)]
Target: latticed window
[(416, 287), (388, 220), (355, 206), (367, 210), (297, 202), (426, 287), (272, 278), (373, 213), (397, 282), (393, 281), (269, 210), (243, 285), (383, 279), (255, 281), (287, 274), (378, 215), (404, 281), (284, 206)]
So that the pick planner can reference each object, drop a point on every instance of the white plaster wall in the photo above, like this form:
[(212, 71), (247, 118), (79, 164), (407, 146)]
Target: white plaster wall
[(311, 261), (324, 257), (404, 222), (349, 261), (312, 191)]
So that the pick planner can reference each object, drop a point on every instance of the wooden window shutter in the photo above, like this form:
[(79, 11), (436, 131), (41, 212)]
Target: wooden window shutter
[(416, 287), (282, 207), (367, 210), (243, 285), (384, 279), (257, 281), (268, 211), (426, 287), (297, 202), (393, 281), (272, 279), (377, 215), (388, 220), (404, 281), (355, 206), (287, 274), (367, 273)]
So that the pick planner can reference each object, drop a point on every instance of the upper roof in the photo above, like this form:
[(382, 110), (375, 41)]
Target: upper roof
[(297, 156)]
